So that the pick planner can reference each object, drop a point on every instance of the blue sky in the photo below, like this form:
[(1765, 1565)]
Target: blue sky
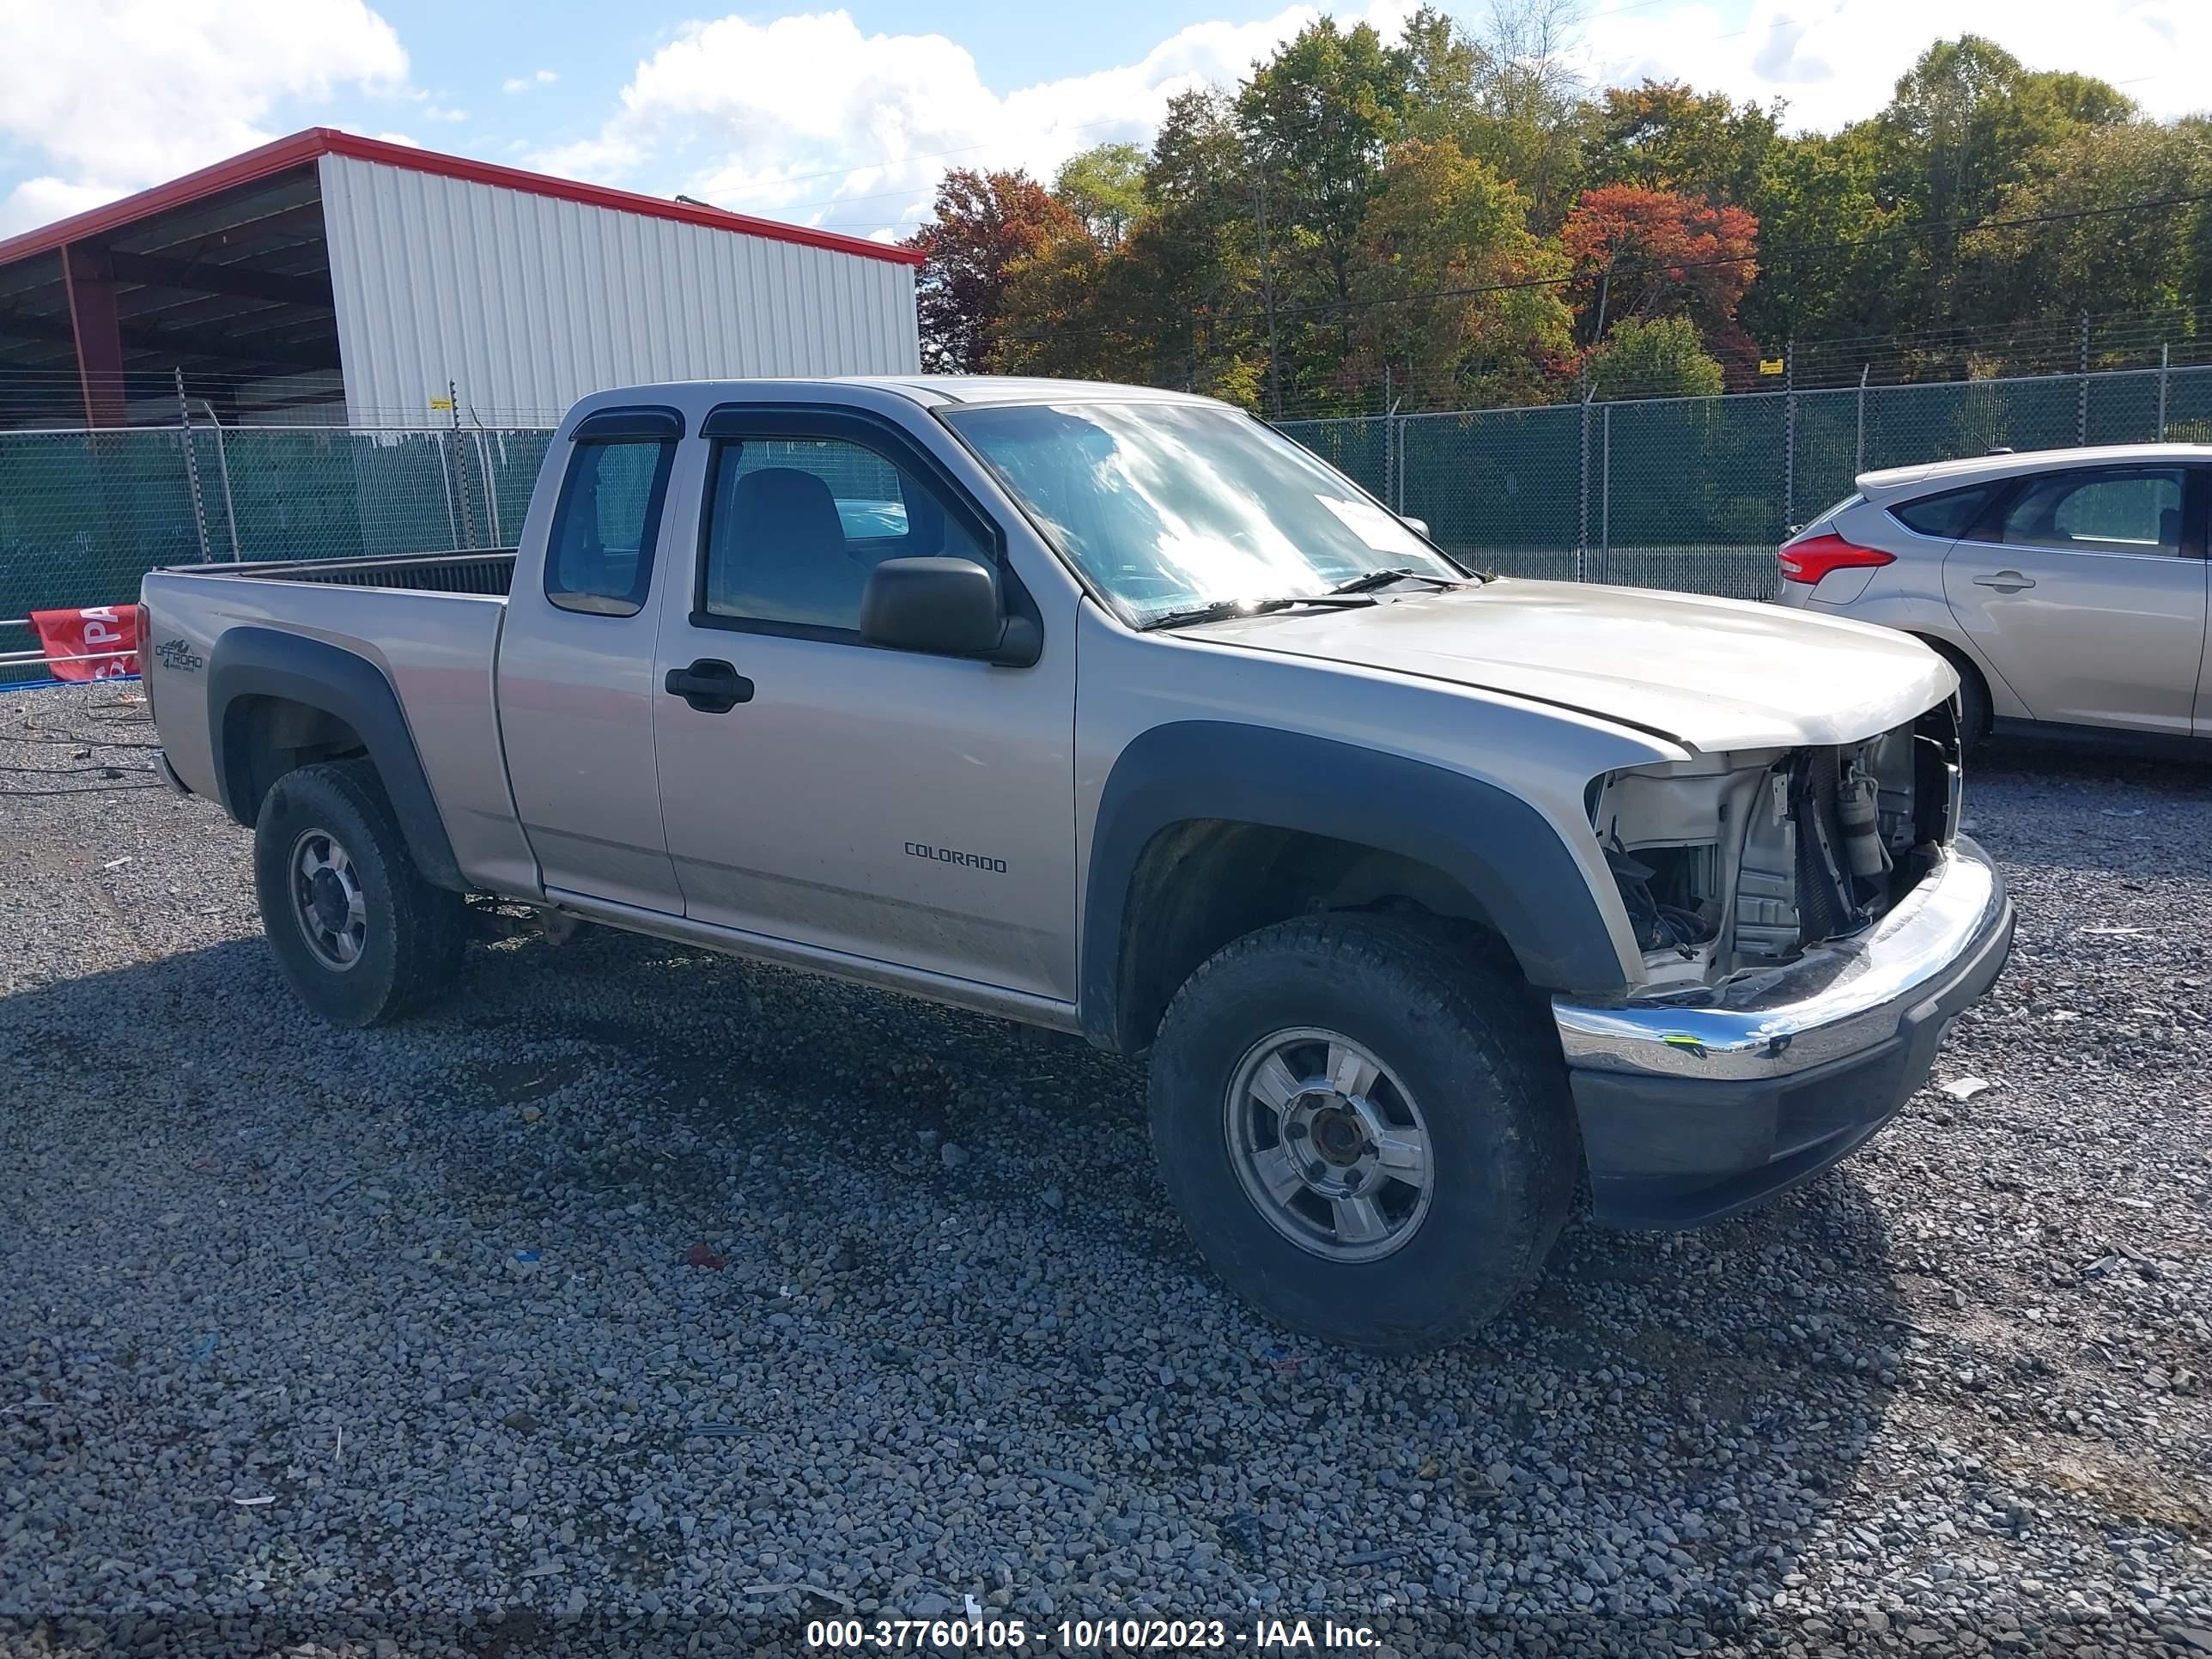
[(846, 117)]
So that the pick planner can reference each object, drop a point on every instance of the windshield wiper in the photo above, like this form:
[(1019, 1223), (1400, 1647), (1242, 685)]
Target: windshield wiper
[(1225, 609), (1219, 611), (1367, 581)]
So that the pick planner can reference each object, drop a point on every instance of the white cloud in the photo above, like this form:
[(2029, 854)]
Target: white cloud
[(807, 117), (526, 83), (1836, 60), (117, 94)]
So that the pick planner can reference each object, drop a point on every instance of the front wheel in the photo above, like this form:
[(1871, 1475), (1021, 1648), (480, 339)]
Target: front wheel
[(359, 933), (1366, 1133)]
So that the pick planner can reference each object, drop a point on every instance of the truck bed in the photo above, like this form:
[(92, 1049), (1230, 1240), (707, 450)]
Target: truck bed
[(430, 622), (488, 570)]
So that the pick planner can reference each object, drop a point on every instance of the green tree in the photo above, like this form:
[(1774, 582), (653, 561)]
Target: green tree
[(1833, 253), (1963, 126), (1660, 135), (2082, 256), (1663, 357), (1104, 187), (1316, 119)]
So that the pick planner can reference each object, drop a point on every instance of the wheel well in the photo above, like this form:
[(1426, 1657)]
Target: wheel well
[(1967, 668), (264, 737), (1203, 882)]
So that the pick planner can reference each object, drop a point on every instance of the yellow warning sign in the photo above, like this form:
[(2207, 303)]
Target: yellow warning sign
[(1766, 366), (448, 403)]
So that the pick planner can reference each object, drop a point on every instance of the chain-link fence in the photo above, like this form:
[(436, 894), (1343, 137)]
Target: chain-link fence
[(84, 514), (1694, 493), (1682, 493)]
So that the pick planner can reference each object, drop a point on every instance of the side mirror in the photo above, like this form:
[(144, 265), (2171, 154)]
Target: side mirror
[(1418, 526), (949, 607)]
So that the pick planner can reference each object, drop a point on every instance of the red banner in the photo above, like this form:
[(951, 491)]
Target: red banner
[(76, 642)]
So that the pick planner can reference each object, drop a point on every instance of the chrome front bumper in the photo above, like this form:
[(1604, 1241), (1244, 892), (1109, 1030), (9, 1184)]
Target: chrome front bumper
[(1833, 1001), (1693, 1109)]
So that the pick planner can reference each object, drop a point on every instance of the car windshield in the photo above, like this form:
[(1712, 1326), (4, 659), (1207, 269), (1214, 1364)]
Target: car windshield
[(1172, 507)]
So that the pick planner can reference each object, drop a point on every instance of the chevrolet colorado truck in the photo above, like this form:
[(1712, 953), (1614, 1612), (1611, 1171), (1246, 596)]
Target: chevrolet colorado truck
[(1428, 893)]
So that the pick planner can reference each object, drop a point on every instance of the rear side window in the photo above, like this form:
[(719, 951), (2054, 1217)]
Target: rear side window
[(1947, 517), (599, 557), (2102, 511)]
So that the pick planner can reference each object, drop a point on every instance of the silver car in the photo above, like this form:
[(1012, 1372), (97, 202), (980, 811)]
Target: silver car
[(2066, 586)]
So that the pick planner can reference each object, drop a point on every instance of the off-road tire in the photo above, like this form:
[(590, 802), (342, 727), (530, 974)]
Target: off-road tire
[(413, 932), (1470, 1042)]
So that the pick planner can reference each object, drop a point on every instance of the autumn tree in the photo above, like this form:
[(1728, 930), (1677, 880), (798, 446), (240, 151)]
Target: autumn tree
[(1646, 254), (1459, 299), (985, 224), (1176, 301)]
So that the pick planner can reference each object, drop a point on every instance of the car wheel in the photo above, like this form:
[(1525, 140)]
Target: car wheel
[(359, 935), (1367, 1133)]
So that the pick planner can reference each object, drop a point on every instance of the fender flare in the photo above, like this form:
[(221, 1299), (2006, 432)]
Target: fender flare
[(1507, 856), (266, 662)]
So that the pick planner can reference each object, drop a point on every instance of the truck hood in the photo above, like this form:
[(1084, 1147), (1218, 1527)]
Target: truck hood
[(1711, 674)]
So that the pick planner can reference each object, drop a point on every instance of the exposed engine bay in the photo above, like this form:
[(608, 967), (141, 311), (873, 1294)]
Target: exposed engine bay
[(1739, 861)]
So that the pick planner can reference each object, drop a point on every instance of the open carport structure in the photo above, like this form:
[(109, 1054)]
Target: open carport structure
[(331, 278)]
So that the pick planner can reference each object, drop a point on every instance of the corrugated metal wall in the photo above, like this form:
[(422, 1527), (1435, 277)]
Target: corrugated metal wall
[(527, 303)]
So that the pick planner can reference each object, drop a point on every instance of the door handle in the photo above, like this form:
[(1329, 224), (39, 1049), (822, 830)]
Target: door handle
[(709, 686), (2005, 582)]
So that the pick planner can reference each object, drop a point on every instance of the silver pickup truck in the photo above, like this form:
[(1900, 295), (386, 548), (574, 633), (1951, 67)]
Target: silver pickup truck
[(1113, 711)]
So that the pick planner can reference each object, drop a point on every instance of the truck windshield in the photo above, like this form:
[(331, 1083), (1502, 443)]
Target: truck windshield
[(1172, 507)]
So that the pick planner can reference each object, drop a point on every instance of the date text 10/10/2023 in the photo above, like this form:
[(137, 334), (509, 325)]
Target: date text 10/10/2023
[(1088, 1635)]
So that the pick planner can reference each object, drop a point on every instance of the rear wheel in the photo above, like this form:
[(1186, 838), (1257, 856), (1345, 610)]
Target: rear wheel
[(1365, 1132), (359, 935)]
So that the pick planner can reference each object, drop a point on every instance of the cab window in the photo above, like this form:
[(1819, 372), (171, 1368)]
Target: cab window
[(797, 525), (599, 559)]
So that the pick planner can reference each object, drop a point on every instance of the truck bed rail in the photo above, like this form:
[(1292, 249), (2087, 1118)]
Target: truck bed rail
[(488, 571)]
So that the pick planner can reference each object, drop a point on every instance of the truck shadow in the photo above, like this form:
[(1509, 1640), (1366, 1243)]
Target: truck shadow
[(925, 1227)]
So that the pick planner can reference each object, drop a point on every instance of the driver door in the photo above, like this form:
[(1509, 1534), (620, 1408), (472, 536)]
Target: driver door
[(913, 809)]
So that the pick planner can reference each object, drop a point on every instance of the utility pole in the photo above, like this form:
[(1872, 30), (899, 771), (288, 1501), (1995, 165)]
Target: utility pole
[(1789, 436), (460, 473), (192, 465), (2081, 406), (1859, 465), (1268, 295)]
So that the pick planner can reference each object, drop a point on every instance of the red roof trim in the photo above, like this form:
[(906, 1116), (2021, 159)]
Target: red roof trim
[(304, 147)]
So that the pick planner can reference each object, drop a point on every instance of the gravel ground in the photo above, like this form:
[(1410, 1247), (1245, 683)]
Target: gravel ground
[(644, 1299)]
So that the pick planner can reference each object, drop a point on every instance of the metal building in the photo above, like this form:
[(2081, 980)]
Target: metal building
[(331, 277)]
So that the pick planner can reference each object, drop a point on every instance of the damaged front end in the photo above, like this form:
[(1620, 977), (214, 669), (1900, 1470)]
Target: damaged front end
[(1811, 921), (1734, 863)]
